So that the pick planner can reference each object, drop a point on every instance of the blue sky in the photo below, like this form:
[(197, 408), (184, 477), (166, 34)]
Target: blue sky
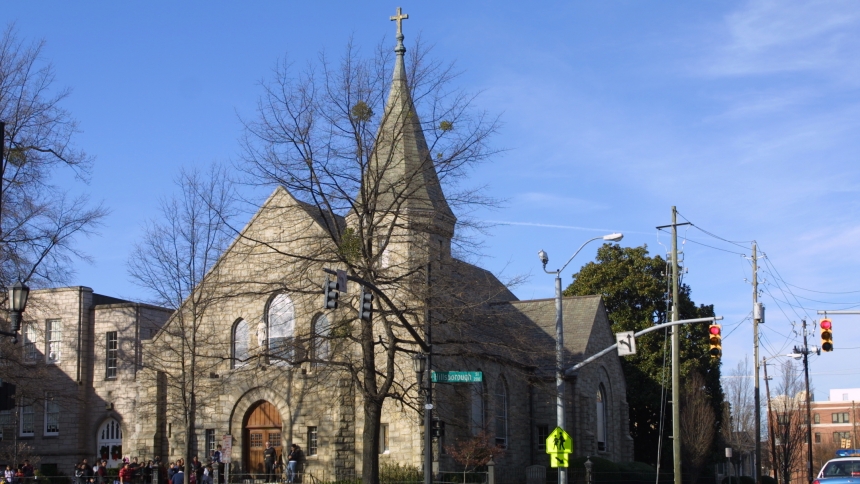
[(743, 114)]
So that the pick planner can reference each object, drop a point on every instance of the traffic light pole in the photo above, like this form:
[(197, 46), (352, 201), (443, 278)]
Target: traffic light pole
[(570, 371)]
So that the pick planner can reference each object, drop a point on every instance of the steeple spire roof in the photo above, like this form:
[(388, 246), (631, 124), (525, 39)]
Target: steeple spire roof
[(405, 166)]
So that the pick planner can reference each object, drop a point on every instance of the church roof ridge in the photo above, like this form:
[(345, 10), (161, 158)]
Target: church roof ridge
[(550, 299)]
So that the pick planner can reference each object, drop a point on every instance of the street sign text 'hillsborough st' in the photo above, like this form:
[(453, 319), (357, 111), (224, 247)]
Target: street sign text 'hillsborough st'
[(456, 376)]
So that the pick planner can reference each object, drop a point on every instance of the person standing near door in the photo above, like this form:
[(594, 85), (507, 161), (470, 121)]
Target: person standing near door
[(270, 457), (294, 459)]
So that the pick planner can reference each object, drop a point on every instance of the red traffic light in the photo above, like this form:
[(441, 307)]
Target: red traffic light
[(714, 329), (826, 324)]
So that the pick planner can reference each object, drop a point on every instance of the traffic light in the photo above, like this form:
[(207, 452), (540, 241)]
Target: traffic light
[(826, 335), (365, 304), (715, 340), (331, 292), (437, 427)]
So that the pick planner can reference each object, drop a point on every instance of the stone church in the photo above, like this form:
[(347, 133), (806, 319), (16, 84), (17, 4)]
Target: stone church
[(254, 355)]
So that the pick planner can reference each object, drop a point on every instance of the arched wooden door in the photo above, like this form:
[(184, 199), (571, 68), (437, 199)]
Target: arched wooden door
[(262, 424)]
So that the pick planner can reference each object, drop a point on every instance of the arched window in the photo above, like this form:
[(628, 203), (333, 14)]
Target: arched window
[(601, 418), (241, 343), (322, 339), (282, 327), (476, 412), (501, 409)]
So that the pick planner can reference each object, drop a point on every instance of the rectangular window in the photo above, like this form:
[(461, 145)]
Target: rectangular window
[(27, 415), (542, 435), (816, 418), (52, 415), (54, 333), (30, 353), (313, 443), (275, 439), (383, 439), (111, 353), (817, 438), (256, 440), (210, 442), (840, 417)]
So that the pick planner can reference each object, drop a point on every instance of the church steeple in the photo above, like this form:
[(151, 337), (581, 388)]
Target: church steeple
[(409, 184)]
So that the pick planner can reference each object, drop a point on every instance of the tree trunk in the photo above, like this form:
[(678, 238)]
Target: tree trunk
[(370, 452), (372, 409)]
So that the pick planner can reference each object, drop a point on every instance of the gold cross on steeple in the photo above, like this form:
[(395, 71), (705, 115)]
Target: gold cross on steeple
[(399, 18)]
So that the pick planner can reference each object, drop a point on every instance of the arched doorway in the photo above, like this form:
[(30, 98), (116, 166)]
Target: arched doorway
[(262, 424), (109, 442)]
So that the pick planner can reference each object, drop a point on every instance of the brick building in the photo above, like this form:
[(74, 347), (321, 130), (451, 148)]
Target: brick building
[(834, 424)]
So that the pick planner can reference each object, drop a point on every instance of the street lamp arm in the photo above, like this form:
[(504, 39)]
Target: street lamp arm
[(571, 257)]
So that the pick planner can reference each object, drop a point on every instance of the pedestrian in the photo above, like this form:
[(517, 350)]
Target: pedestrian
[(126, 474), (294, 459), (178, 476), (27, 469), (270, 457), (101, 472), (197, 469), (9, 474)]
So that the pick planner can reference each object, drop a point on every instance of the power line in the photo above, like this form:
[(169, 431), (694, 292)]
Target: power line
[(822, 292)]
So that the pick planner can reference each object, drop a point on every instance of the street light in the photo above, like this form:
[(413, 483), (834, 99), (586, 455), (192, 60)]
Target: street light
[(559, 336)]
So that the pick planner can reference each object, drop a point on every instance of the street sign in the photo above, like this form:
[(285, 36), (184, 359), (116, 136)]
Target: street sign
[(226, 448), (559, 460), (341, 281), (456, 376), (626, 343), (559, 445)]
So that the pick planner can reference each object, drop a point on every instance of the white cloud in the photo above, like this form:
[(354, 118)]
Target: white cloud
[(772, 36)]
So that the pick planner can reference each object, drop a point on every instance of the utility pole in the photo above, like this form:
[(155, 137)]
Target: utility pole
[(676, 357), (757, 397), (769, 422), (676, 354), (808, 409)]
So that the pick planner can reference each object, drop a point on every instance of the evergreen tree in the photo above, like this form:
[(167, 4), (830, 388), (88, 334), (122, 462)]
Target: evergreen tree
[(635, 288)]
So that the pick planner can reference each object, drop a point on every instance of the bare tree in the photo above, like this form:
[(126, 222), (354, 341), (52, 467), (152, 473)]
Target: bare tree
[(175, 261), (40, 222), (368, 157), (698, 424), (738, 425), (788, 421)]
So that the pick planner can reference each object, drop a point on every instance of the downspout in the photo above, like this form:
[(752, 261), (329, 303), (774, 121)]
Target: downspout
[(137, 342), (80, 332)]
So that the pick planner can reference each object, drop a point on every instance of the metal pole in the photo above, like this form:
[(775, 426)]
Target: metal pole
[(428, 422), (757, 396), (676, 357), (808, 409), (559, 370), (428, 406)]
